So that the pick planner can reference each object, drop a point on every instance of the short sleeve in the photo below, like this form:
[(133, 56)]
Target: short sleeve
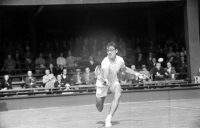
[(123, 63), (105, 64), (123, 66)]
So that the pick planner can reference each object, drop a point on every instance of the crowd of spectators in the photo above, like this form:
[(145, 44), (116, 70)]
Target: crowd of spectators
[(89, 51), (78, 57)]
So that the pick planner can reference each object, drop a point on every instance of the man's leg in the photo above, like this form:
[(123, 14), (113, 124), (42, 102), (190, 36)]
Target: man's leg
[(116, 99), (100, 103), (114, 105), (101, 93)]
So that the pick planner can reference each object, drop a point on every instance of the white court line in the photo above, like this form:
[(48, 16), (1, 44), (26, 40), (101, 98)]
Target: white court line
[(123, 103), (187, 108)]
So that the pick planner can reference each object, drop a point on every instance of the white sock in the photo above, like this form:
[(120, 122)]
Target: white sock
[(109, 117)]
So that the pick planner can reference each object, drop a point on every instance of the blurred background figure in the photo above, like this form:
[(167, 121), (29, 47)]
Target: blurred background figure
[(48, 79), (88, 77), (6, 83), (39, 64), (58, 83), (65, 78), (158, 73), (30, 81), (91, 64), (61, 61), (70, 60), (170, 72), (9, 65), (145, 72), (52, 69), (77, 77)]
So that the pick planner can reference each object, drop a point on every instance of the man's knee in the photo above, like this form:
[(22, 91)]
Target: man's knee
[(117, 95), (99, 107), (99, 103)]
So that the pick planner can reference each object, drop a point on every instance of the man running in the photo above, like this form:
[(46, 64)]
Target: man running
[(107, 79)]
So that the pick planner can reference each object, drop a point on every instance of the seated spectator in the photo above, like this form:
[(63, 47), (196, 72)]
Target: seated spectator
[(182, 65), (61, 61), (133, 67), (88, 77), (48, 79), (91, 64), (158, 73), (70, 60), (145, 71), (153, 63), (9, 64), (77, 77), (170, 71), (58, 83), (53, 70), (66, 79), (30, 81), (40, 64), (6, 83)]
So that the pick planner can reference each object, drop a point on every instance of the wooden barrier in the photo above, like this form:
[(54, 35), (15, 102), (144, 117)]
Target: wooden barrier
[(78, 89)]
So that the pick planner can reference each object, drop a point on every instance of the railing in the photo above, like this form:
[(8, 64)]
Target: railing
[(85, 89)]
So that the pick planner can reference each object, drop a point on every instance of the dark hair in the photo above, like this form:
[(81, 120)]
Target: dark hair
[(112, 43)]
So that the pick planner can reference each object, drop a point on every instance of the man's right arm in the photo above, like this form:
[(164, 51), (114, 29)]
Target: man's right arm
[(105, 75), (105, 71)]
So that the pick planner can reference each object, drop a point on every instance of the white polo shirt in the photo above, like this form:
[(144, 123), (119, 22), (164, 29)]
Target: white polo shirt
[(113, 68)]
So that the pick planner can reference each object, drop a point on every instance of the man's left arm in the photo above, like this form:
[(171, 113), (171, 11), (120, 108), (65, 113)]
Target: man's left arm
[(130, 71)]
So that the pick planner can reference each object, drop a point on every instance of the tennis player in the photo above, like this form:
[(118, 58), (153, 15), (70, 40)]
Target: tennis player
[(107, 80)]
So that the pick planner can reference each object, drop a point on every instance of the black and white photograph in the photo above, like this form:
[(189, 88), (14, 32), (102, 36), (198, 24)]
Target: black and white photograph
[(99, 64)]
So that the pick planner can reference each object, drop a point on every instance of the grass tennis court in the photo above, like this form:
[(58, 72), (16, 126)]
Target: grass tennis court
[(160, 109)]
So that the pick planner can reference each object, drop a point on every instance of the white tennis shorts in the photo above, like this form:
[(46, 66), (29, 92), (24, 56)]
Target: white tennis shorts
[(102, 91)]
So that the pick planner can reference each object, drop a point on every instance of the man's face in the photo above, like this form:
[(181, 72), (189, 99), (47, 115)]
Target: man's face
[(87, 70), (158, 65), (29, 73), (59, 77), (133, 67), (111, 51), (6, 77), (9, 56), (47, 72), (65, 71), (51, 65), (154, 60), (168, 65)]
